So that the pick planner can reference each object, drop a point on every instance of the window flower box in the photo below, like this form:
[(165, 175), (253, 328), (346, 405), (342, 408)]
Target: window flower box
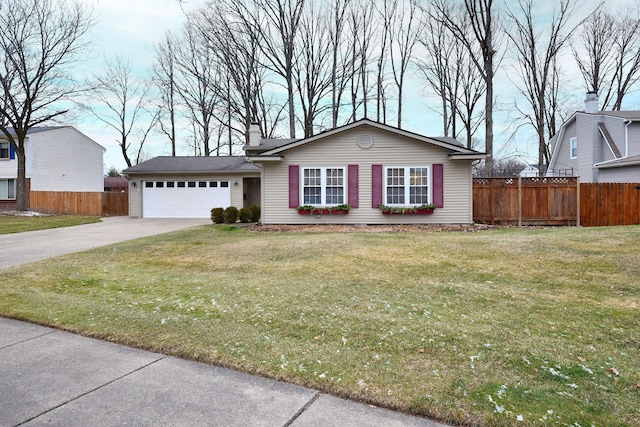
[(329, 210), (416, 210)]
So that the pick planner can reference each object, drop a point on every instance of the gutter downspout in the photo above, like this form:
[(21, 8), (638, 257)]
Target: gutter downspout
[(626, 138)]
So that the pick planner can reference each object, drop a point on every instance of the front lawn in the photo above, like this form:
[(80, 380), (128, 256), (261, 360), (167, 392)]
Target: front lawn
[(498, 328), (19, 224)]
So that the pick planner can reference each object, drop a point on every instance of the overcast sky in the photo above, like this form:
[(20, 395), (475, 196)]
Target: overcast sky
[(131, 27)]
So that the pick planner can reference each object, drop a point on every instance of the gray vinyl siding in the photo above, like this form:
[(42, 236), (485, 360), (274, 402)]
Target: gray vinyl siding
[(135, 193), (563, 159), (615, 126), (622, 174), (389, 149), (633, 131)]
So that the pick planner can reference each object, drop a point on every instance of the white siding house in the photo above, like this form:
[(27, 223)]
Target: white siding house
[(64, 159), (58, 158)]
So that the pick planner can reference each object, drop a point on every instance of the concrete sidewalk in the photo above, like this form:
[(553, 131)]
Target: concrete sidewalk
[(22, 248), (54, 378)]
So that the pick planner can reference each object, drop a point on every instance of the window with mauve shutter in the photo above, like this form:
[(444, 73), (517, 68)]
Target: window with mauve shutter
[(438, 184), (353, 192), (376, 186), (294, 186)]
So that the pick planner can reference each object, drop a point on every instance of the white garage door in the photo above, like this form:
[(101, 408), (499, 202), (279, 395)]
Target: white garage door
[(184, 199)]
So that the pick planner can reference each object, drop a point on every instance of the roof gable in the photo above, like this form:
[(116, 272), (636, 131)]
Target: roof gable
[(448, 143)]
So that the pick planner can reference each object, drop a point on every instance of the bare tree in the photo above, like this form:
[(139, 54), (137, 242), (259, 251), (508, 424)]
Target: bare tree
[(508, 167), (436, 70), (39, 43), (593, 50), (403, 36), (121, 100), (232, 31), (608, 55), (164, 78), (537, 62), (278, 44), (385, 14), (627, 57), (361, 28), (198, 85), (481, 45), (313, 69), (342, 60)]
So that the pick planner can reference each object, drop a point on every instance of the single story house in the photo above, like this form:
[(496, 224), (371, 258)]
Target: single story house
[(598, 146), (362, 173), (58, 158)]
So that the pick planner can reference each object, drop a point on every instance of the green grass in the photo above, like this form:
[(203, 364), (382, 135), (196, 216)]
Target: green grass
[(482, 328), (19, 224)]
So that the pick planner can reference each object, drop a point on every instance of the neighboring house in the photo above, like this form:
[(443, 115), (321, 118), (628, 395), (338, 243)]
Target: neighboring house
[(529, 172), (189, 187), (598, 146), (364, 164), (118, 184), (58, 158)]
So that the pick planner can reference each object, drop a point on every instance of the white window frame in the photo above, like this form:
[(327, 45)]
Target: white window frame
[(407, 185), (573, 148), (323, 185), (7, 180)]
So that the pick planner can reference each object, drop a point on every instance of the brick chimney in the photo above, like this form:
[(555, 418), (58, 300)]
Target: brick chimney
[(254, 135), (591, 103)]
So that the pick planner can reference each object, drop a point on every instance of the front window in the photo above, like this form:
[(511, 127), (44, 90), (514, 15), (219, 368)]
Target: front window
[(7, 189), (323, 186), (574, 148), (4, 150), (407, 186)]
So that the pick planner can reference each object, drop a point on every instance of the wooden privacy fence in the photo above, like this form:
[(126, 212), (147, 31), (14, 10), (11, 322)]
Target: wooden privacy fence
[(554, 201), (526, 201), (609, 204), (78, 203)]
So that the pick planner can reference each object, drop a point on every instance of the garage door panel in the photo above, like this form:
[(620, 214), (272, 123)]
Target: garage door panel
[(184, 202)]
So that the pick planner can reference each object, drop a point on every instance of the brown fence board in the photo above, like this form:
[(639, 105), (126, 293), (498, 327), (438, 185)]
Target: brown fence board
[(609, 204), (79, 203), (115, 204)]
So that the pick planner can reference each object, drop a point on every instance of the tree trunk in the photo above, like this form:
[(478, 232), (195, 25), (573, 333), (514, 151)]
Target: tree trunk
[(22, 199)]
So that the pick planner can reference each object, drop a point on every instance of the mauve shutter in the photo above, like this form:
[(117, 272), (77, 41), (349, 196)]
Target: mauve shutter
[(353, 185), (376, 186), (294, 186), (12, 152), (438, 185)]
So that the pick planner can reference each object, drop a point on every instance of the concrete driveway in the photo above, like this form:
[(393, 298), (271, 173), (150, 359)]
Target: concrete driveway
[(22, 248)]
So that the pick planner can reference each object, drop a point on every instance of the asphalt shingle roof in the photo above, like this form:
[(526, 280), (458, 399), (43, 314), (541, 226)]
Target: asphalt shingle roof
[(188, 164)]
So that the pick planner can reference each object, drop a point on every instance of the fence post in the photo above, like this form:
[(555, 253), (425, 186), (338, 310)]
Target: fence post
[(519, 201), (578, 202)]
